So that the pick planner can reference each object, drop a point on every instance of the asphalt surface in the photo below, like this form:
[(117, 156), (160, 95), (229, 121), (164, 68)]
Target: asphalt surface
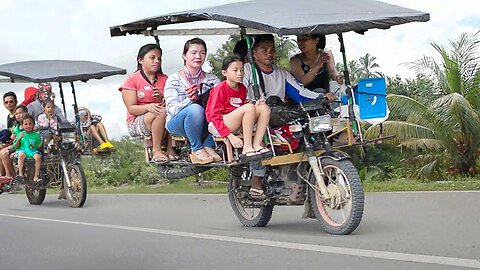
[(433, 230)]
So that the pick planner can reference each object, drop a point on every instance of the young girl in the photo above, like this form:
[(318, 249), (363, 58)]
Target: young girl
[(47, 121), (227, 111), (28, 143)]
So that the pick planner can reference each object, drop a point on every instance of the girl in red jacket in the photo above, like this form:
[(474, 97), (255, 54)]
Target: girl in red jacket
[(227, 111)]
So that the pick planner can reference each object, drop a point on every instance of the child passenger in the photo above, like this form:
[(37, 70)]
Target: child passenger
[(47, 122), (227, 110), (28, 143), (20, 111), (91, 124)]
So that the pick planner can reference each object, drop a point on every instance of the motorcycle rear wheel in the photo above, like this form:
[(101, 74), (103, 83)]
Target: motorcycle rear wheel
[(77, 193), (249, 215), (342, 177), (34, 196)]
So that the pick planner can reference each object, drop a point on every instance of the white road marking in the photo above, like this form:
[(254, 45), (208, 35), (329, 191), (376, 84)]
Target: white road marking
[(386, 255)]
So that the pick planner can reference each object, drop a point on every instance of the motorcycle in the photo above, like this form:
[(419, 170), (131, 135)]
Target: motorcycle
[(61, 165), (307, 166)]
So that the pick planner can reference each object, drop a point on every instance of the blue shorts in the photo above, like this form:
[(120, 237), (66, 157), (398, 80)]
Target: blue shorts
[(21, 151)]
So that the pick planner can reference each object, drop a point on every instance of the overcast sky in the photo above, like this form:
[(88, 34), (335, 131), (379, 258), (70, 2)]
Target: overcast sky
[(79, 30)]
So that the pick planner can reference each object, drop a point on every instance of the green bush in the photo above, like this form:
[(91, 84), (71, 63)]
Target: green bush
[(124, 166)]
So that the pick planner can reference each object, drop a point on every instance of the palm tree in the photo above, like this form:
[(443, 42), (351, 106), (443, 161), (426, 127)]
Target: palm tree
[(446, 131), (354, 70), (367, 64)]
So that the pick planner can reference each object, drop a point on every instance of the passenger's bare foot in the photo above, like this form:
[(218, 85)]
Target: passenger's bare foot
[(159, 158)]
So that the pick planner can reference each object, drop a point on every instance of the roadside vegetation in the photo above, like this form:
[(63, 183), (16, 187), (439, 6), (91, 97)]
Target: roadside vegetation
[(435, 117)]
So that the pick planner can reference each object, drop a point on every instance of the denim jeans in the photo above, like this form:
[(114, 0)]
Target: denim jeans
[(257, 169), (190, 122)]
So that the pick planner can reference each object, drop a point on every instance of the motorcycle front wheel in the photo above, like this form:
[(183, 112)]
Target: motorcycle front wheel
[(342, 214), (77, 193), (250, 215)]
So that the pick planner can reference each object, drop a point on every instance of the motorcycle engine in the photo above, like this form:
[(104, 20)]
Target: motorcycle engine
[(284, 184)]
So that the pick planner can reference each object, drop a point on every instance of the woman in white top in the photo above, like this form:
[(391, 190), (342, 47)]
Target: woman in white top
[(184, 115)]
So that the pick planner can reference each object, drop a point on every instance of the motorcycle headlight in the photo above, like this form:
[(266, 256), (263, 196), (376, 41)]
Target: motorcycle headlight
[(320, 123), (69, 137)]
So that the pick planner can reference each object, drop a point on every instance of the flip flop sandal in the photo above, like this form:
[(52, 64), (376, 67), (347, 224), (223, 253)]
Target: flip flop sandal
[(18, 180), (37, 180), (200, 157), (250, 156), (173, 157), (257, 193), (265, 152), (159, 160)]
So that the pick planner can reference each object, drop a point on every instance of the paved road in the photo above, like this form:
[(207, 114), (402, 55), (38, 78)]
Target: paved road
[(398, 231)]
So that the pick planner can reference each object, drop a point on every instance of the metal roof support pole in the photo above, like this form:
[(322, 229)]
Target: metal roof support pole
[(63, 99), (344, 56), (349, 90), (256, 89), (75, 106), (77, 117), (157, 40)]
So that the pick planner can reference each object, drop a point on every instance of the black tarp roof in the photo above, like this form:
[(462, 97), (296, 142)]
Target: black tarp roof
[(58, 71), (289, 17)]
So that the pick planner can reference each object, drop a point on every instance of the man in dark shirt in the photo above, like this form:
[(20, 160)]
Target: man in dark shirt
[(10, 102)]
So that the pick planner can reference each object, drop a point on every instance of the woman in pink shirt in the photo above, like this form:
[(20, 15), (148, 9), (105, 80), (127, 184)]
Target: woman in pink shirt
[(142, 94)]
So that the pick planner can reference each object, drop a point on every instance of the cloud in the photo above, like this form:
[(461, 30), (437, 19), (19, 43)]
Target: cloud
[(471, 21)]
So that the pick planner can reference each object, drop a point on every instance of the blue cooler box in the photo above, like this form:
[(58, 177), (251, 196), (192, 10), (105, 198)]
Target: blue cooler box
[(371, 97)]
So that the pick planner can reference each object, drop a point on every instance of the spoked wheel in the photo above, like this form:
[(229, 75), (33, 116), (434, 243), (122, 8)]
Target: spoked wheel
[(250, 213), (343, 212), (35, 196), (77, 193)]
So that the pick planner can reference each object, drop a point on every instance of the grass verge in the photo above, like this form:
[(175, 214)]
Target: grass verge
[(188, 186)]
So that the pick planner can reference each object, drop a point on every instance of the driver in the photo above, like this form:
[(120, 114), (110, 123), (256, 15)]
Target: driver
[(274, 82), (36, 107)]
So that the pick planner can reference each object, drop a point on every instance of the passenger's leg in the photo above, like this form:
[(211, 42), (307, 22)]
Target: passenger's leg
[(21, 160), (103, 132), (262, 118), (172, 155), (190, 122), (38, 163), (92, 130), (7, 162), (244, 116), (156, 124), (2, 169), (258, 172)]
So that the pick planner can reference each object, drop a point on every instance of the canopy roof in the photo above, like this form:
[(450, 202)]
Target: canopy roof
[(57, 71), (285, 17)]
